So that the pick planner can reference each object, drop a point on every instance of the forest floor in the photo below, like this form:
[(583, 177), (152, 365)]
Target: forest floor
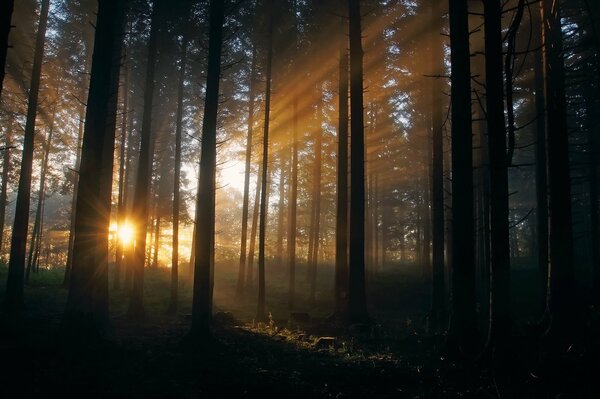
[(394, 357)]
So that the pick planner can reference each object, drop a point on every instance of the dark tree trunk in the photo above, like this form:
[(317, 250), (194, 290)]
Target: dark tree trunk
[(438, 298), (121, 211), (293, 203), (87, 306), (142, 185), (173, 304), (6, 168), (6, 10), (245, 206), (357, 301), (462, 328), (317, 199), (205, 203), (13, 297), (541, 178), (37, 224), (280, 227), (260, 312), (251, 249), (500, 319), (561, 282)]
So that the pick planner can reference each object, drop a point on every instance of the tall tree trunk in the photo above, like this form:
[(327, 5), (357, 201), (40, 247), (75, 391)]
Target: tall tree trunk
[(317, 199), (205, 203), (13, 297), (121, 206), (254, 230), (561, 281), (6, 11), (87, 306), (341, 220), (82, 111), (36, 233), (245, 206), (293, 206), (6, 168), (280, 227), (438, 295), (260, 312), (174, 299), (144, 172), (462, 330), (357, 301), (500, 318), (541, 178)]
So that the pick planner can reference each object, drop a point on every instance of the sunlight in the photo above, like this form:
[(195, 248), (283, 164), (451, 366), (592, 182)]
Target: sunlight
[(126, 233)]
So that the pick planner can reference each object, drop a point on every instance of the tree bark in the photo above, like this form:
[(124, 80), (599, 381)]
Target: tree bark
[(357, 302), (205, 203), (13, 297), (242, 266), (142, 186), (174, 299), (462, 330), (341, 220), (500, 317), (87, 307), (438, 297), (6, 168), (260, 312), (561, 295)]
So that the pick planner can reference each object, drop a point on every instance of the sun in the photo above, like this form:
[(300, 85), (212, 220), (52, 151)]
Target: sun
[(126, 232)]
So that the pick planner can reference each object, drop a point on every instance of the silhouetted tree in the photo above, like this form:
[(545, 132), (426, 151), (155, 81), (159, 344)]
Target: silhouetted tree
[(205, 203)]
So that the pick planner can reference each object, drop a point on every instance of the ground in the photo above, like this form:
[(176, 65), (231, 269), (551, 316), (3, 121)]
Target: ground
[(393, 357)]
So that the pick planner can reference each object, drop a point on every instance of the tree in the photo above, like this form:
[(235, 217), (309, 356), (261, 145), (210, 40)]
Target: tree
[(142, 186), (177, 177), (86, 310), (260, 312), (462, 320), (357, 303), (205, 203), (245, 206), (341, 220), (500, 249), (561, 301), (13, 299), (438, 300)]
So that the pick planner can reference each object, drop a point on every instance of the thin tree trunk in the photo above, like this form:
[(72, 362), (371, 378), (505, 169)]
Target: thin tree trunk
[(242, 266), (6, 169), (317, 199), (462, 330), (13, 297), (357, 303), (205, 205), (341, 220), (251, 250), (142, 186), (121, 211), (541, 178), (293, 203), (280, 228), (36, 233), (174, 299), (260, 312)]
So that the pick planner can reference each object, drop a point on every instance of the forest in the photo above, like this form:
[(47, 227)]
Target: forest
[(300, 198)]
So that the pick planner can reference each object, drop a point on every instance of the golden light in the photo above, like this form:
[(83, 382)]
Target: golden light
[(125, 233)]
